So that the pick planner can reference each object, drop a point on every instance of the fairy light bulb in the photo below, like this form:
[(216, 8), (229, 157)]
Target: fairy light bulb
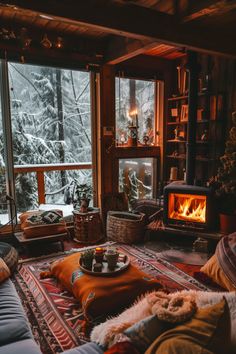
[(59, 43), (25, 39), (46, 43)]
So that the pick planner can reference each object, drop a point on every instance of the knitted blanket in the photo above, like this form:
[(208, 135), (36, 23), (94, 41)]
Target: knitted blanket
[(226, 255)]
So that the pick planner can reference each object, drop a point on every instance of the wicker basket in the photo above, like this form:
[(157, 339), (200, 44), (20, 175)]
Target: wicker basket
[(125, 227), (88, 226)]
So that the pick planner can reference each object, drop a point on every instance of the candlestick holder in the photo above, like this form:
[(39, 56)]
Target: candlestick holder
[(133, 136)]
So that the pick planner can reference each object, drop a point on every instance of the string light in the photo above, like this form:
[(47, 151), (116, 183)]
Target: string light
[(45, 42), (27, 42), (25, 39), (59, 43), (12, 35)]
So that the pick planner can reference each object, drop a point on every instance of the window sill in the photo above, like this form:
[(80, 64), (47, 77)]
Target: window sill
[(137, 151)]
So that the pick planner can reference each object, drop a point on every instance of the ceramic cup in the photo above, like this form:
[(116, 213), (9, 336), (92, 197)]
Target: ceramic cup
[(112, 258)]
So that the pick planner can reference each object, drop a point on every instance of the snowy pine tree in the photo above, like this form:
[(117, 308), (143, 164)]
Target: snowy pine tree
[(50, 124)]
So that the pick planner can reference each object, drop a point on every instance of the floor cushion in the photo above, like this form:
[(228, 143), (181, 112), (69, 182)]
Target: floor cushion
[(207, 332), (8, 260), (42, 223), (102, 295)]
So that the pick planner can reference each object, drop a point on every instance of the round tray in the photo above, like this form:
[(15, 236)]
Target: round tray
[(120, 267)]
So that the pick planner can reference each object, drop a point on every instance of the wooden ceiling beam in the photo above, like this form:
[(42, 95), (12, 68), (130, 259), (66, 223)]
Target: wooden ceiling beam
[(198, 9), (135, 22), (50, 57), (123, 48)]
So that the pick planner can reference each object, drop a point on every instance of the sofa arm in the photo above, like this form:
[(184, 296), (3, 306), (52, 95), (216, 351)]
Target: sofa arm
[(14, 325), (27, 346)]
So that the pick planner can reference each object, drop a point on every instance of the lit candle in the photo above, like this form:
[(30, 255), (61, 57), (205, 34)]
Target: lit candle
[(98, 255), (99, 250), (134, 116)]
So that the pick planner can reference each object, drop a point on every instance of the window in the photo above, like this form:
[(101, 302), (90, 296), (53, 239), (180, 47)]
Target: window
[(51, 133), (137, 178), (139, 107), (135, 106)]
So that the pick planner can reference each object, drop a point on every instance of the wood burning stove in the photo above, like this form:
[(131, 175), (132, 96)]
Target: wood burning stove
[(188, 206)]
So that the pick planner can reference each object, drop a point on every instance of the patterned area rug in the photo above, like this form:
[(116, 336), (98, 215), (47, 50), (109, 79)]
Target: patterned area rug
[(55, 315)]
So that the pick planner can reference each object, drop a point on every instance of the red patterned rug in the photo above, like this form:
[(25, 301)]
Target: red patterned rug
[(55, 315)]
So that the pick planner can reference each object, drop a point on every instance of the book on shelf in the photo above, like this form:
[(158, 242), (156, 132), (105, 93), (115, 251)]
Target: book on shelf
[(213, 107)]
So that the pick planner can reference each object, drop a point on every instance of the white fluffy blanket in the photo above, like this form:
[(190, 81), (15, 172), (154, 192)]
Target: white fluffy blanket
[(109, 332)]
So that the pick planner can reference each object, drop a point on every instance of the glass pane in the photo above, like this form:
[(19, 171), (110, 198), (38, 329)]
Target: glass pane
[(50, 111), (135, 106), (187, 207), (51, 124), (136, 178), (26, 191), (4, 216), (67, 194)]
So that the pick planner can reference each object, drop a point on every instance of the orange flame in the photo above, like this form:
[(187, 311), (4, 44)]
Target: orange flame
[(189, 208)]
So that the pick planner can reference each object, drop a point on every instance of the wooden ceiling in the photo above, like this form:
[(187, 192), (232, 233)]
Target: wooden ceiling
[(111, 31)]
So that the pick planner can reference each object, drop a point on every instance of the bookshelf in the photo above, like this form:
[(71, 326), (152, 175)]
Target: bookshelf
[(209, 134)]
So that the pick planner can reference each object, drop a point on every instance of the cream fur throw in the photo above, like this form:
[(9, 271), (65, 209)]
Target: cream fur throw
[(173, 308), (111, 331)]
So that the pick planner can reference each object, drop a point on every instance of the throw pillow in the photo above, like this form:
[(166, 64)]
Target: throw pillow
[(42, 223), (102, 295), (4, 271), (226, 256), (144, 332), (179, 346), (213, 270), (122, 348), (207, 332), (8, 260)]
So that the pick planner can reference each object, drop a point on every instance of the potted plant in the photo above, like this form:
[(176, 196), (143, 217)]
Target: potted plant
[(224, 183), (86, 259), (84, 193)]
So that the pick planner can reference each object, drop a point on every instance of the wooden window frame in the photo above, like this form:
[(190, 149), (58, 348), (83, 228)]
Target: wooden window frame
[(12, 170)]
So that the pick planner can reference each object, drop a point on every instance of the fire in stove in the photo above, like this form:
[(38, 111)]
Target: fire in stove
[(187, 207)]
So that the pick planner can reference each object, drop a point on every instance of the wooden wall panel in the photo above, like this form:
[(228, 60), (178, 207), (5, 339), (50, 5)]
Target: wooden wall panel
[(223, 79), (108, 179)]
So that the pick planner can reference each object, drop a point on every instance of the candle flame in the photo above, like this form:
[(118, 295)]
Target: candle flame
[(133, 113), (99, 249)]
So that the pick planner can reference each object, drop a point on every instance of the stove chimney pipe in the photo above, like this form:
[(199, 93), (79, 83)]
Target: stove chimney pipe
[(192, 117)]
